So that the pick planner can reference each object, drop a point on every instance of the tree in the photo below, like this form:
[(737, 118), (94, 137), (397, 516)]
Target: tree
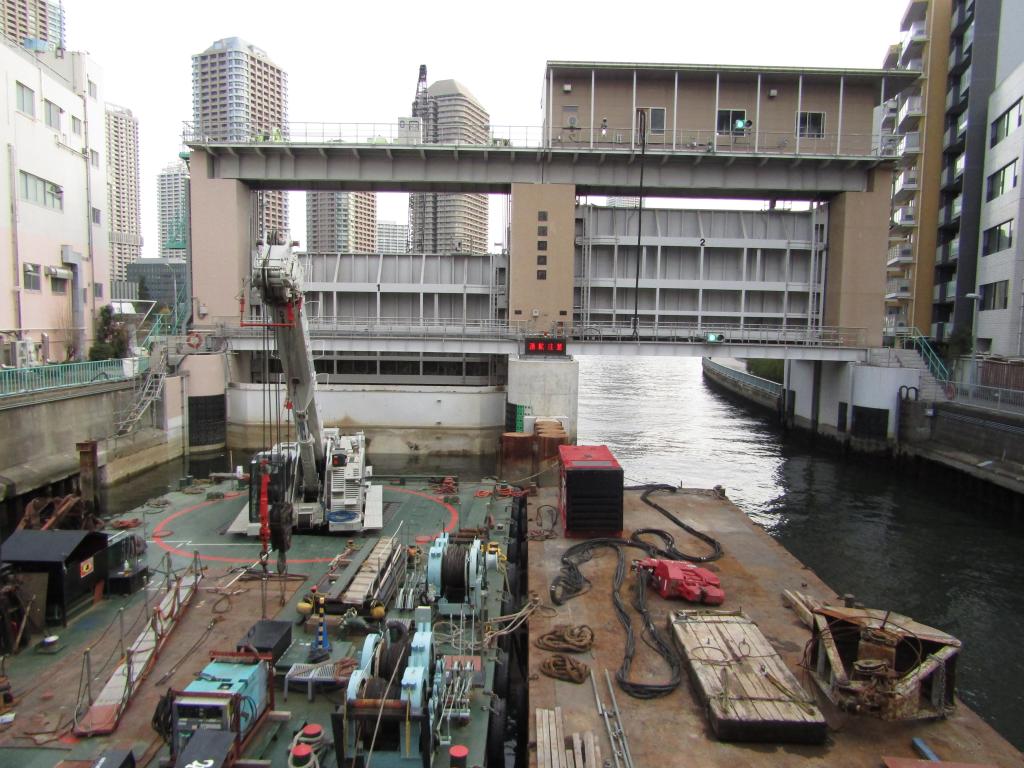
[(111, 337)]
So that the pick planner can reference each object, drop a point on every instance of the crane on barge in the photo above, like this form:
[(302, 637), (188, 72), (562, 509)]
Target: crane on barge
[(321, 480)]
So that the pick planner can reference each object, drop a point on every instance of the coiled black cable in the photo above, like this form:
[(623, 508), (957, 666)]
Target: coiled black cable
[(570, 583)]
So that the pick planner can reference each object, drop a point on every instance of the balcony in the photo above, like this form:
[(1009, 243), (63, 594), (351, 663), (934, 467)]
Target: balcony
[(900, 255), (963, 15), (951, 213), (913, 41), (956, 98), (910, 144), (906, 185), (953, 138), (890, 110), (904, 217), (897, 290), (942, 331), (909, 114), (948, 253), (944, 293), (953, 175)]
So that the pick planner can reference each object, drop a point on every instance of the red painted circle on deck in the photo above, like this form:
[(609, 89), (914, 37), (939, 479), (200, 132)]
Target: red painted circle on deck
[(158, 532)]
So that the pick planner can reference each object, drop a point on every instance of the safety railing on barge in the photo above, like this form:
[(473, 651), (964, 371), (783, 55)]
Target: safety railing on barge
[(38, 378), (673, 332)]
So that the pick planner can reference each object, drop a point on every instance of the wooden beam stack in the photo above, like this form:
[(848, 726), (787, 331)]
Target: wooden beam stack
[(554, 750)]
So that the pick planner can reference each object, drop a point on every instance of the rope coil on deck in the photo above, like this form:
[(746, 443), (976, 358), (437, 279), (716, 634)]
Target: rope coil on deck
[(571, 639), (562, 667)]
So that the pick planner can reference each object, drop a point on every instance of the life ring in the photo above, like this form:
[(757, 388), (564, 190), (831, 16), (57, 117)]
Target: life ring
[(950, 391), (194, 340)]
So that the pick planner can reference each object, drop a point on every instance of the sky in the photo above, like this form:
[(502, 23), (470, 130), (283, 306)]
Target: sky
[(359, 61)]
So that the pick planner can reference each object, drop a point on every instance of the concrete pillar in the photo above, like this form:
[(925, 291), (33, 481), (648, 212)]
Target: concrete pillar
[(541, 255), (546, 388), (221, 212), (858, 240)]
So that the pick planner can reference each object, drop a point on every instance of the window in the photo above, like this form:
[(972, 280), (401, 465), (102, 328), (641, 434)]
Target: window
[(732, 121), (542, 215), (542, 245), (26, 100), (94, 158), (32, 280), (92, 89), (96, 216), (542, 274), (811, 125), (542, 231), (76, 126), (58, 285), (997, 238), (1001, 181), (51, 112), (657, 120), (40, 191), (542, 261), (1003, 125), (97, 291), (994, 295)]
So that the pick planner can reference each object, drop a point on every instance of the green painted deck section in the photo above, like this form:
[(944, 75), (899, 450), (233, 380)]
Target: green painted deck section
[(190, 523)]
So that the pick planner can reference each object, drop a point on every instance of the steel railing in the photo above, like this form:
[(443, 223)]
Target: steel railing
[(912, 338), (598, 137), (677, 332), (19, 381), (765, 385), (979, 396)]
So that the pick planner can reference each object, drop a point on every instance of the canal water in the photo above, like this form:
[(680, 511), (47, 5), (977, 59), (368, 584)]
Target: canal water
[(890, 536)]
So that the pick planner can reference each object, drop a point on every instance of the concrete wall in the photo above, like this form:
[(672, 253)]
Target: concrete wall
[(856, 385), (976, 431), (221, 213), (542, 303), (546, 388), (396, 419), (858, 237)]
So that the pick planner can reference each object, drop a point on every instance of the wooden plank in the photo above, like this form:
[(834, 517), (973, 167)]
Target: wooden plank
[(556, 751), (749, 692), (590, 751), (570, 761), (560, 737), (543, 747), (577, 750), (832, 653)]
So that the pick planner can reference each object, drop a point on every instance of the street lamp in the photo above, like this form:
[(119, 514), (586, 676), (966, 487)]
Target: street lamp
[(976, 298)]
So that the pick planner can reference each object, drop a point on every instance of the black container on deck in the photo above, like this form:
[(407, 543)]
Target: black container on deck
[(268, 636)]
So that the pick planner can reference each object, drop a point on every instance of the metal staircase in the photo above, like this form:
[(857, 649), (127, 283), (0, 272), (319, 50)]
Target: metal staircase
[(148, 390)]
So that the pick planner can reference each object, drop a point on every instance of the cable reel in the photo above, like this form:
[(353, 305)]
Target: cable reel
[(456, 576)]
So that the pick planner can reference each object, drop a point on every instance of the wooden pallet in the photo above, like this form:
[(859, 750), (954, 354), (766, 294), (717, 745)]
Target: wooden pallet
[(749, 693)]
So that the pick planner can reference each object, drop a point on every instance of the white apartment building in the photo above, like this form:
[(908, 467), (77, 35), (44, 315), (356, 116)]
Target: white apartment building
[(53, 233), (1000, 280), (172, 210), (392, 237), (124, 220)]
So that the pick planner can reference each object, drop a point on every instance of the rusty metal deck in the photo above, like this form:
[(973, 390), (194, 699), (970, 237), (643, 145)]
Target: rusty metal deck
[(674, 730)]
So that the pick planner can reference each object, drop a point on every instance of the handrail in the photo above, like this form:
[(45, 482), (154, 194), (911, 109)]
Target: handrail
[(604, 138), (765, 385), (923, 345), (20, 381)]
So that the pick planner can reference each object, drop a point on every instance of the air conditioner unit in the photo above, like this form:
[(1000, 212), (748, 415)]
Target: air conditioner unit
[(24, 354)]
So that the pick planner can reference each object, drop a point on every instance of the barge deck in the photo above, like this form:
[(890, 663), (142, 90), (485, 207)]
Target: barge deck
[(674, 730)]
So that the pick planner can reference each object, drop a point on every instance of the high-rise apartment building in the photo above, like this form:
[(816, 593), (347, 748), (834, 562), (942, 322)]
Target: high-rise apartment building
[(35, 24), (392, 237), (239, 94), (618, 201), (442, 223), (916, 118), (341, 222), (124, 224), (172, 210)]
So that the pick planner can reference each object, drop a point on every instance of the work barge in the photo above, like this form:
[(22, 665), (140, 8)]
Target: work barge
[(453, 666)]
